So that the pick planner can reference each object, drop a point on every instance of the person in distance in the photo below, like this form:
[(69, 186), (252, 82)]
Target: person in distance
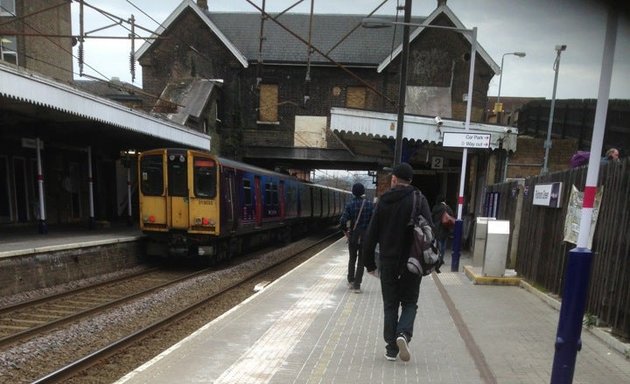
[(353, 222)]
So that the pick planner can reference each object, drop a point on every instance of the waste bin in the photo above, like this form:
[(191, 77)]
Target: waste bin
[(497, 241), (479, 244)]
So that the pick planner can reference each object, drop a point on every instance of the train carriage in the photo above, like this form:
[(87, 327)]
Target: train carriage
[(193, 203)]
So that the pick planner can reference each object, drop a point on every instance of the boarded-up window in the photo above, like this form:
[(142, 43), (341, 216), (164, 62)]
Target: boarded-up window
[(268, 103), (355, 97)]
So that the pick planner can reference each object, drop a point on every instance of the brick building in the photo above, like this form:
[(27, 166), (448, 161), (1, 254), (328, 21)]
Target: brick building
[(284, 76), (36, 35)]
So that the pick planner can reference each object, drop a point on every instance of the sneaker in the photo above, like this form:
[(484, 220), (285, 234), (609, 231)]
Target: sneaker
[(403, 347), (389, 357), (356, 290), (350, 285)]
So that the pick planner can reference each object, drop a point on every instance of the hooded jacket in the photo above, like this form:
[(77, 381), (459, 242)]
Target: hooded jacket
[(390, 227)]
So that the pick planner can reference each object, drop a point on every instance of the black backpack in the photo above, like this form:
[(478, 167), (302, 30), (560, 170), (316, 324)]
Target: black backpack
[(424, 254)]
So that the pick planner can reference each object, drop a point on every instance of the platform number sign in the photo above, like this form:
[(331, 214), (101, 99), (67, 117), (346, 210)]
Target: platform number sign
[(437, 162)]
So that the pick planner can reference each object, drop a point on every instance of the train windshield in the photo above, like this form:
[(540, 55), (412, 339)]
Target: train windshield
[(205, 177), (177, 174), (152, 183)]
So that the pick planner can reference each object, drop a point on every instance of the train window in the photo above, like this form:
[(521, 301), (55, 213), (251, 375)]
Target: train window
[(205, 177), (177, 175), (268, 192), (274, 194), (247, 192), (152, 183)]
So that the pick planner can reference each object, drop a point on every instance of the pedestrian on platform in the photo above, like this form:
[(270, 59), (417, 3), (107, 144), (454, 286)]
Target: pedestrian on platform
[(353, 222), (611, 155), (390, 229), (442, 229)]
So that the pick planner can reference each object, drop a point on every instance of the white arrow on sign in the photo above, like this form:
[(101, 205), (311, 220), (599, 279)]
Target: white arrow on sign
[(466, 140)]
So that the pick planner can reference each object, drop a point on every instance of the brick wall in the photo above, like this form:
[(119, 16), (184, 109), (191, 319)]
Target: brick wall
[(530, 153), (48, 269), (50, 56)]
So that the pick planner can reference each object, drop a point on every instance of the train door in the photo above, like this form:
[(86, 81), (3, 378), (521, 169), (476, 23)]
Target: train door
[(258, 200), (229, 195), (178, 199), (282, 199), (153, 205)]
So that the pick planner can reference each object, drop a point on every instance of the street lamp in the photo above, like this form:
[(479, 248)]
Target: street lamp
[(556, 68), (498, 107), (380, 23)]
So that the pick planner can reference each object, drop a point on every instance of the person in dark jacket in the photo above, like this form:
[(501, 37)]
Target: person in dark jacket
[(353, 222), (441, 232), (390, 229)]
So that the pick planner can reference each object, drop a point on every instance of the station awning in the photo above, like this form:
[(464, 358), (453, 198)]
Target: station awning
[(29, 95), (424, 129)]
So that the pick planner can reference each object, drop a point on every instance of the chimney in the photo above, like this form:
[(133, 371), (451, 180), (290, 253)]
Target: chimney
[(203, 4), (441, 2)]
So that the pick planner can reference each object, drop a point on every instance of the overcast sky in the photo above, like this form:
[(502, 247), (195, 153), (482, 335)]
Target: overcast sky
[(531, 26)]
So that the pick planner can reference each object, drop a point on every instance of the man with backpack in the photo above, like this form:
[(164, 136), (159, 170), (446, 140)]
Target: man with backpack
[(390, 229), (353, 222)]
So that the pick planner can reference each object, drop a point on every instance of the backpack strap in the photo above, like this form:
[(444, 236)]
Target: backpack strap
[(356, 221), (412, 220)]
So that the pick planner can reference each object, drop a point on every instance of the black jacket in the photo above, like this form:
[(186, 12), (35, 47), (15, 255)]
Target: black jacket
[(390, 228)]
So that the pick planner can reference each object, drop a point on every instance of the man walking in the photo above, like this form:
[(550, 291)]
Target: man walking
[(353, 222), (390, 228)]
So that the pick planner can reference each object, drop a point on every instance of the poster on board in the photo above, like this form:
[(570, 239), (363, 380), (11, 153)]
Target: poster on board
[(574, 214)]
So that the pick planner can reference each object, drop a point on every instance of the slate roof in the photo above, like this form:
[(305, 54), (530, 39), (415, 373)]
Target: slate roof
[(240, 33), (364, 46)]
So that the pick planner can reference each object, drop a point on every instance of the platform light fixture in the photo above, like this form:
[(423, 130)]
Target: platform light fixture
[(498, 107)]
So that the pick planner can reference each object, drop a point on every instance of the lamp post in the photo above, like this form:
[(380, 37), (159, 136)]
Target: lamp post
[(402, 92), (380, 23), (556, 68), (498, 107)]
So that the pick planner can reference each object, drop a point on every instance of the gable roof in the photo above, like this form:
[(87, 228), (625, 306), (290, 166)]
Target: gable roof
[(176, 13), (458, 24), (240, 32)]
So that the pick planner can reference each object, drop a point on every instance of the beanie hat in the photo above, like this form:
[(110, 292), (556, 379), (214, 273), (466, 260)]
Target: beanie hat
[(358, 189), (403, 171)]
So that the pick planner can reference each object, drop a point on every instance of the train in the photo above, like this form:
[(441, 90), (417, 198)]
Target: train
[(195, 204)]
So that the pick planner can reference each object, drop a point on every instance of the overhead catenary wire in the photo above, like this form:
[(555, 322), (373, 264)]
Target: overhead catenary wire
[(340, 66)]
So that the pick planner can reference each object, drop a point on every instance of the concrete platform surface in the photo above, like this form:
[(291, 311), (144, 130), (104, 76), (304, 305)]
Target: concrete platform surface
[(307, 327)]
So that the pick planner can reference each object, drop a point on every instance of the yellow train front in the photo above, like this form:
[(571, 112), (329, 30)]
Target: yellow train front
[(195, 204)]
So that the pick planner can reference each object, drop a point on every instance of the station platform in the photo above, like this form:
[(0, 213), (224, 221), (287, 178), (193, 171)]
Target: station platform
[(26, 241), (308, 327)]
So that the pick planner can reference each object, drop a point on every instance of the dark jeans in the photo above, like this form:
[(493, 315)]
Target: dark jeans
[(355, 265), (398, 291)]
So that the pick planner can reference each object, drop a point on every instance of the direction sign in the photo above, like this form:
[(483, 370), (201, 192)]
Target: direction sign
[(466, 140)]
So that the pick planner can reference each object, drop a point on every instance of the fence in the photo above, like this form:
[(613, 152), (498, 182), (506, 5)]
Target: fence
[(541, 251)]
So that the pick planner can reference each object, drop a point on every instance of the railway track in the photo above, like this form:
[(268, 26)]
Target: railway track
[(24, 320), (81, 361)]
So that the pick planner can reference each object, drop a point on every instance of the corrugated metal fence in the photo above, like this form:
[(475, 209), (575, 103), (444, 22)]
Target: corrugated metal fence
[(541, 251)]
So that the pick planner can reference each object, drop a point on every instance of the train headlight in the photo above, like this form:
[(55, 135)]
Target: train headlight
[(151, 219), (197, 220), (204, 221)]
